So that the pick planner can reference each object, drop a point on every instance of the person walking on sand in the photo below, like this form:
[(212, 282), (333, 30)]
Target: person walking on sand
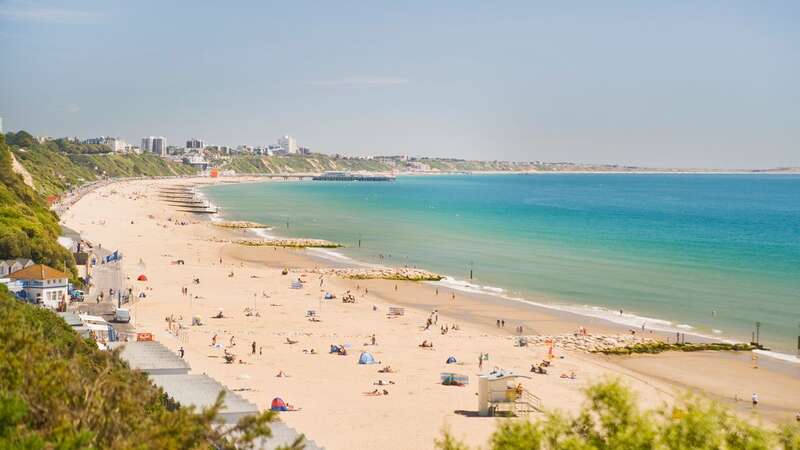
[(214, 340), (254, 348), (181, 352), (755, 400)]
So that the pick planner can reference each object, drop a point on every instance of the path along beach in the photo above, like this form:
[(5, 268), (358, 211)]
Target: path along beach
[(329, 388)]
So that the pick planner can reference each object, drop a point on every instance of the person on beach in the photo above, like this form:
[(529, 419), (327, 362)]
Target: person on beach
[(437, 291), (214, 340), (373, 340), (254, 347), (233, 341), (480, 361), (755, 400), (181, 352)]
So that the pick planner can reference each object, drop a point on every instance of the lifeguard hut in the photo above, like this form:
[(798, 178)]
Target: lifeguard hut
[(501, 392)]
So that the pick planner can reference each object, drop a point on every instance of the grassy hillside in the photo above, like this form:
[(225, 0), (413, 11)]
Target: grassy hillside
[(55, 171), (28, 229), (60, 391), (297, 163), (320, 162)]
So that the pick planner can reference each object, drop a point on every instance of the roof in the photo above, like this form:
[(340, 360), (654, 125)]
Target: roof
[(201, 391), (71, 318), (502, 375), (38, 272), (151, 357)]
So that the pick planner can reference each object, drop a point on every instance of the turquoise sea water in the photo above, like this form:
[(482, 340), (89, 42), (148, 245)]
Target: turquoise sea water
[(710, 252)]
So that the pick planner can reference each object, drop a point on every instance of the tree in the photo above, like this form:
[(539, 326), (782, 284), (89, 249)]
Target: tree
[(611, 420), (58, 390)]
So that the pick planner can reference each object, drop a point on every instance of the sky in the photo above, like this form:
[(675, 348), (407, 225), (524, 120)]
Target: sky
[(659, 84)]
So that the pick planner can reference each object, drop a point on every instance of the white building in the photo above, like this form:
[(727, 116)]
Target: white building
[(195, 144), (147, 144), (43, 284), (154, 144), (95, 141), (289, 144)]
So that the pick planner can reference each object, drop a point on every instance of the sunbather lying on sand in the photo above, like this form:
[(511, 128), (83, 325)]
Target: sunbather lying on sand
[(290, 341), (311, 351), (538, 369), (387, 369), (376, 393), (426, 344), (571, 375), (383, 383), (282, 374)]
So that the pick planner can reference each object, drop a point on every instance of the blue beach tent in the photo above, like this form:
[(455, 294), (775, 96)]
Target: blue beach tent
[(451, 360), (366, 358)]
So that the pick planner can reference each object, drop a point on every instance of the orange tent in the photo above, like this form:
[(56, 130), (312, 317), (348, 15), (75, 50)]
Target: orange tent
[(142, 278)]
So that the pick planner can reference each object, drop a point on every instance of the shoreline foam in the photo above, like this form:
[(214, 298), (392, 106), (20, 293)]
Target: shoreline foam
[(626, 319)]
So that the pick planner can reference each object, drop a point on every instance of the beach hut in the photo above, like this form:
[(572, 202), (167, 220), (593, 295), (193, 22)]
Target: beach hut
[(142, 277), (366, 358), (451, 360), (278, 405)]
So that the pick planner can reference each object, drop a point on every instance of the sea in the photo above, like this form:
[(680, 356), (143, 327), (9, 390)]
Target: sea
[(715, 255)]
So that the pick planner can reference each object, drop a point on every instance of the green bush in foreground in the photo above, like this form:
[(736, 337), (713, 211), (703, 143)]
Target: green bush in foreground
[(60, 391), (611, 420)]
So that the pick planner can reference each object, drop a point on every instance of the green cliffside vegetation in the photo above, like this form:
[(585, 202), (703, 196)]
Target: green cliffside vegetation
[(300, 164), (58, 391), (317, 162), (59, 165), (28, 229)]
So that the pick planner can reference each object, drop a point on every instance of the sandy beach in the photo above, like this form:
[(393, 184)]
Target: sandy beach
[(330, 389)]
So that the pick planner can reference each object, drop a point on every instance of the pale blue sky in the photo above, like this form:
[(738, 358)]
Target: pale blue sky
[(712, 84)]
